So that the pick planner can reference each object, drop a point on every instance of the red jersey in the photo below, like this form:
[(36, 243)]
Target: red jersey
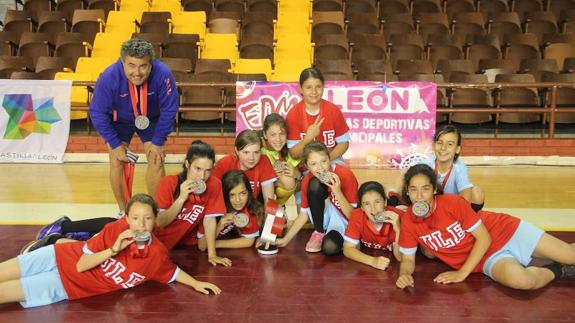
[(446, 232), (122, 271), (262, 174), (186, 223), (348, 188), (251, 230), (361, 229), (334, 129)]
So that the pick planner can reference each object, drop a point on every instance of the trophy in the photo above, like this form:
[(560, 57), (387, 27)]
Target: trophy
[(274, 225)]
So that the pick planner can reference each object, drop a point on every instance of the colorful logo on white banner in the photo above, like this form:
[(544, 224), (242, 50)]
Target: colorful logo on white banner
[(27, 115)]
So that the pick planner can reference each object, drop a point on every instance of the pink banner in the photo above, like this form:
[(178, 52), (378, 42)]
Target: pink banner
[(391, 124)]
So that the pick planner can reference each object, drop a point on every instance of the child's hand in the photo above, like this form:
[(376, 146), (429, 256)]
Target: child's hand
[(225, 221), (450, 277), (404, 281), (335, 184), (124, 239), (215, 260), (186, 188), (393, 218), (315, 129), (380, 263), (205, 288)]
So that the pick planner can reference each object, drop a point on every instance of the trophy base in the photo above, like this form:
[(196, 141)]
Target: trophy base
[(272, 250)]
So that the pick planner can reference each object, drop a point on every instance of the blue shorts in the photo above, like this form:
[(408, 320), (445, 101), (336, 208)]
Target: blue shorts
[(40, 279), (521, 247), (332, 219), (126, 131)]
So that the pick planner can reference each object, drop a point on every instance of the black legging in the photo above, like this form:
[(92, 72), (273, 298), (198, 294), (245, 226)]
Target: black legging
[(316, 195), (91, 226), (332, 243)]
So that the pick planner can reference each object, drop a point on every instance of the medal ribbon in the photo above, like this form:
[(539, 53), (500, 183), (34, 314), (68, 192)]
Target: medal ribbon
[(446, 176), (141, 96)]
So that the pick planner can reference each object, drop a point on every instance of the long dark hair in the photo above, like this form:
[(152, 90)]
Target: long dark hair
[(419, 169), (198, 149), (276, 119), (230, 180), (370, 186)]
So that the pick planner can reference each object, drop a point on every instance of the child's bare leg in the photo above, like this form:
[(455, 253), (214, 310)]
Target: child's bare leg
[(511, 273), (10, 270), (11, 291)]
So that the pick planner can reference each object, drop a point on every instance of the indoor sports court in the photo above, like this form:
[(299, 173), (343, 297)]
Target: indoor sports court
[(293, 286)]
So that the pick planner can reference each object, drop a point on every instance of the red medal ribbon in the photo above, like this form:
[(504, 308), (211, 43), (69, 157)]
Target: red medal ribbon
[(141, 96), (446, 176)]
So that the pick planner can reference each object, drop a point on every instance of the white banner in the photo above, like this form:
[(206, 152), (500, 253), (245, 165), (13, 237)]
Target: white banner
[(34, 120)]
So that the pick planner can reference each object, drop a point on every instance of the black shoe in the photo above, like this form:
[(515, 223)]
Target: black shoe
[(36, 244), (568, 271)]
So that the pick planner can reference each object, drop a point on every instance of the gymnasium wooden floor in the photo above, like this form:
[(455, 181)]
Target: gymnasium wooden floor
[(293, 286)]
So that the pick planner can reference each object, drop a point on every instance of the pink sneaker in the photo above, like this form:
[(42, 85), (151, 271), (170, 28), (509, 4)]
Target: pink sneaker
[(314, 242)]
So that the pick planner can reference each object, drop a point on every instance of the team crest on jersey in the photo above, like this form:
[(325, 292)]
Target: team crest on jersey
[(375, 245), (191, 215), (435, 240), (113, 269), (328, 138)]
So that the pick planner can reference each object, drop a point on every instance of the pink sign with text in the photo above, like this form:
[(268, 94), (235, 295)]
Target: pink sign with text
[(391, 124)]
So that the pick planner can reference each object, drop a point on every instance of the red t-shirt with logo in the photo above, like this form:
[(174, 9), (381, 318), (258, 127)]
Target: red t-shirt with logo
[(361, 229), (446, 233), (262, 174), (122, 271), (333, 126), (186, 223), (348, 188)]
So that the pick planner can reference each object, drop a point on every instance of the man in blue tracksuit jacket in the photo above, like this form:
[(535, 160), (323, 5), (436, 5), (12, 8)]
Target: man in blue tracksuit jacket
[(136, 94)]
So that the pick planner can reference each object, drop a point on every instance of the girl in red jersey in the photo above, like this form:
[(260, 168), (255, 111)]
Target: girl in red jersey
[(192, 199), (243, 214), (374, 225), (327, 202), (186, 200), (275, 148), (107, 262), (315, 119), (247, 158), (499, 245)]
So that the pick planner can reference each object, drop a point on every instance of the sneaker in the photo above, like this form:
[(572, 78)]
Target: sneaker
[(314, 242), (568, 271), (54, 227), (45, 241), (80, 236)]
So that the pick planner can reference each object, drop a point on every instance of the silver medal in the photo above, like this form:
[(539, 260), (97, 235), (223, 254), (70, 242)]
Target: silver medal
[(200, 186), (241, 220), (420, 209), (324, 177), (142, 122), (379, 218)]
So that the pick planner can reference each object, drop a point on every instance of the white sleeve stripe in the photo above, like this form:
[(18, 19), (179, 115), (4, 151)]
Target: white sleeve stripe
[(213, 215), (176, 273), (408, 251), (86, 250), (269, 181), (251, 235), (473, 227), (343, 138), (354, 242)]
